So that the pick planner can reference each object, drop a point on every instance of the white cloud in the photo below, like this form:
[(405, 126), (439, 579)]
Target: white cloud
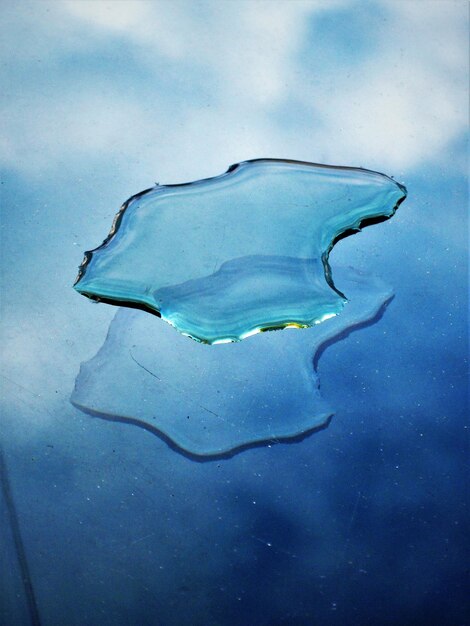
[(150, 25), (406, 104), (248, 45), (397, 109)]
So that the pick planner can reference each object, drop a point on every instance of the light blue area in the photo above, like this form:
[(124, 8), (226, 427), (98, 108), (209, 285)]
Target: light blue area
[(347, 34)]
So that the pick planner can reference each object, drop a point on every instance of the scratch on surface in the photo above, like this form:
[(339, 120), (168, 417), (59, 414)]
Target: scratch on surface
[(141, 538), (27, 402), (13, 382), (353, 516), (143, 367), (178, 390)]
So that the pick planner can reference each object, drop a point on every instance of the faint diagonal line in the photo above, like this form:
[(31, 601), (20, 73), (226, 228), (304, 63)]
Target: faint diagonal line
[(18, 541)]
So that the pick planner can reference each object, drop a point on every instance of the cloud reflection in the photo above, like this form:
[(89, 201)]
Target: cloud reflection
[(179, 89)]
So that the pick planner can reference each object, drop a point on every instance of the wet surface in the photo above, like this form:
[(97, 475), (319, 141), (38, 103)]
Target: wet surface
[(215, 400)]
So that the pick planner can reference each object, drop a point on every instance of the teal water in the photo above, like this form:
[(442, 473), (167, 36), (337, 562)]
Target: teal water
[(223, 258)]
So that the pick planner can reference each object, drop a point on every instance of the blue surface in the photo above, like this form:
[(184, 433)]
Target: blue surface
[(361, 523)]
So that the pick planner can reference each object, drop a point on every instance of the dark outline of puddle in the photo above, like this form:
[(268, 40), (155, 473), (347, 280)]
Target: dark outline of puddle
[(369, 221), (205, 458)]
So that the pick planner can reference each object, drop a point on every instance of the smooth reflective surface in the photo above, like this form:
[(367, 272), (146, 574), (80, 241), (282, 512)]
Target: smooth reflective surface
[(225, 257), (211, 400), (363, 522)]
